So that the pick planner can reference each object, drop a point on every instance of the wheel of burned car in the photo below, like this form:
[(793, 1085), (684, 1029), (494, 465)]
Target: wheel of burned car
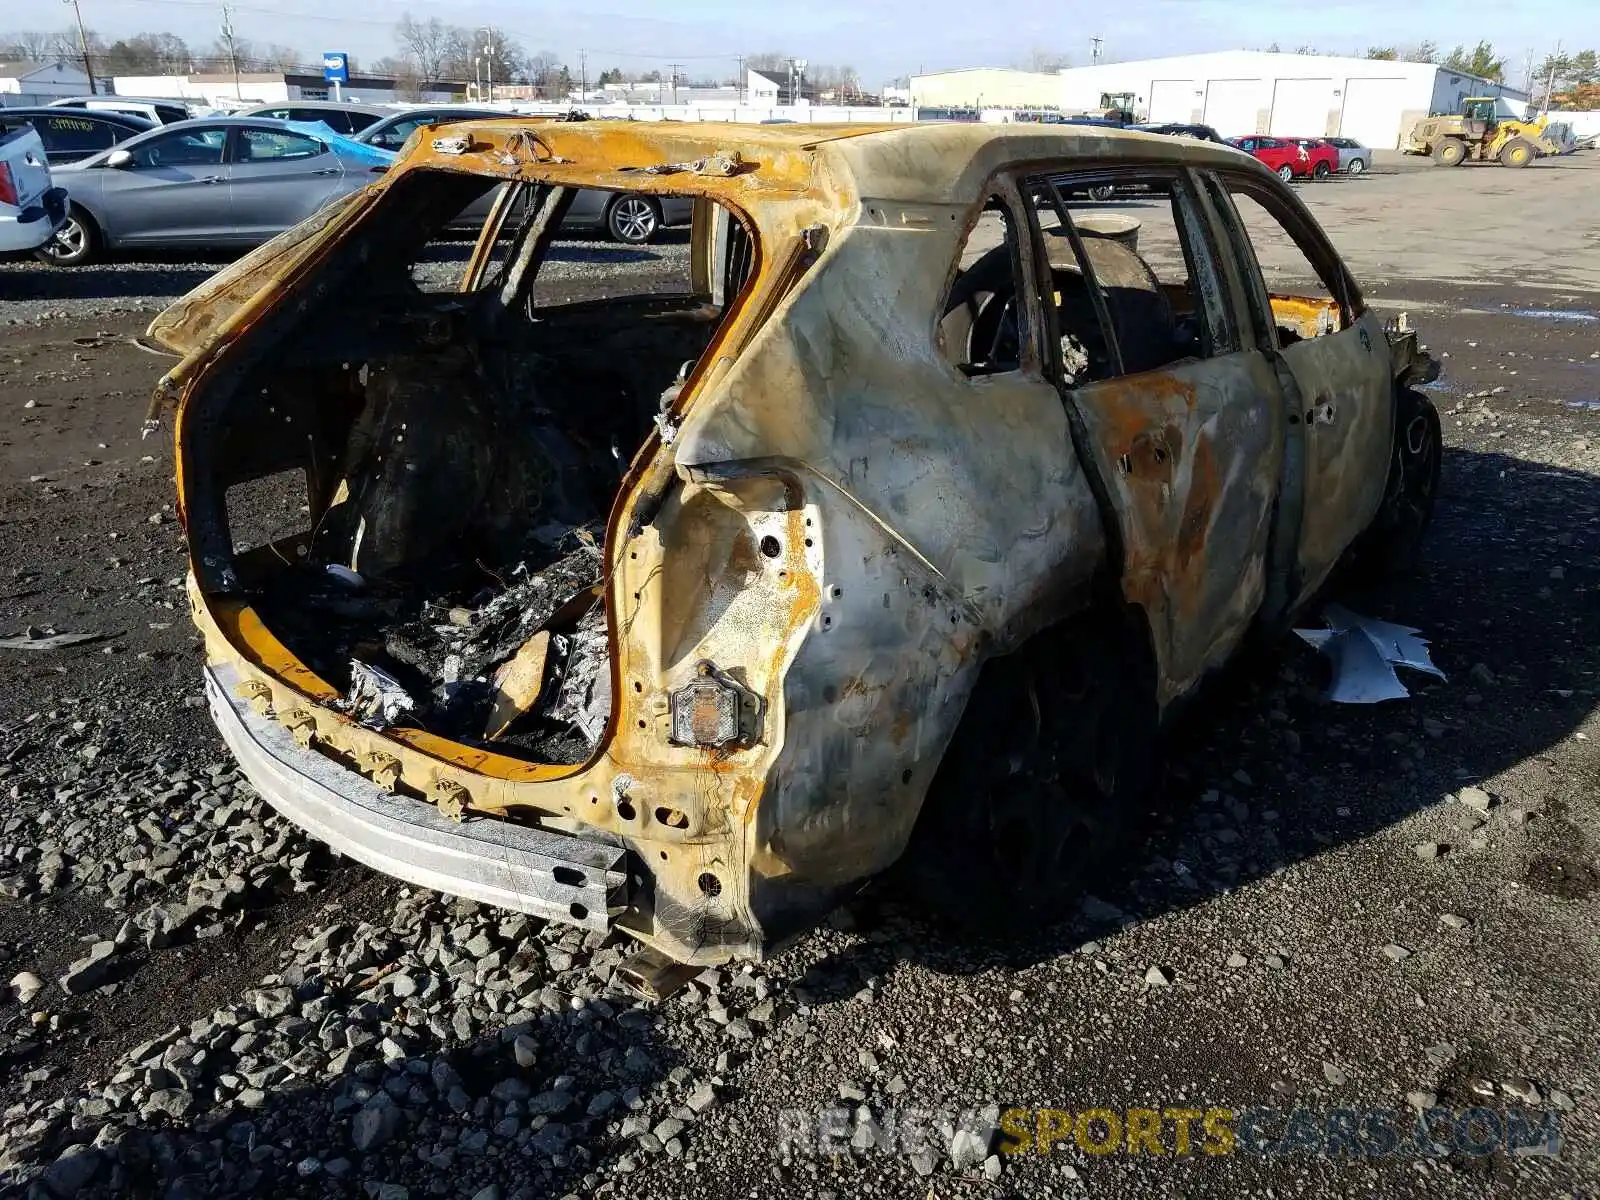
[(1286, 172), (74, 243), (1102, 191), (1321, 171), (1358, 166), (1392, 544), (633, 219), (1044, 781)]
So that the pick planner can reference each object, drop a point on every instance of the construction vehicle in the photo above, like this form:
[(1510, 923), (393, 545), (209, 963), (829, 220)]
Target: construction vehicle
[(1117, 107), (1477, 132)]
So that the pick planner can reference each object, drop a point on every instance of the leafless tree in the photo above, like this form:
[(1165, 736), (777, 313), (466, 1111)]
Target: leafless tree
[(498, 50), (433, 48), (30, 45)]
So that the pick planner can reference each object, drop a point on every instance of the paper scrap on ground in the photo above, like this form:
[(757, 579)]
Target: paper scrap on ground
[(1364, 652)]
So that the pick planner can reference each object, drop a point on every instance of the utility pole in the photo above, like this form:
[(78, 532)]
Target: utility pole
[(486, 54), (1550, 81), (1094, 50), (738, 83), (583, 74), (674, 69), (83, 44), (233, 51)]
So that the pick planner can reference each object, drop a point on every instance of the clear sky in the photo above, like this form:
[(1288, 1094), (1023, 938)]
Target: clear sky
[(881, 39)]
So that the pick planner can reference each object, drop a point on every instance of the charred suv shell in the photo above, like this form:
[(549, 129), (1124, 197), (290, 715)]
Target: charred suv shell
[(659, 611)]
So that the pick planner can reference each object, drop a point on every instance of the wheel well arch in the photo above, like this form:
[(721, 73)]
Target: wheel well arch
[(86, 216)]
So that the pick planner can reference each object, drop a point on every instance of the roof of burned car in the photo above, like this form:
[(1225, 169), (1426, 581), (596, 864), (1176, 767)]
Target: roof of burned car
[(926, 162)]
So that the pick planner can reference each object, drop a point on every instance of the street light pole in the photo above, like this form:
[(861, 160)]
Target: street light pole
[(83, 44), (488, 56)]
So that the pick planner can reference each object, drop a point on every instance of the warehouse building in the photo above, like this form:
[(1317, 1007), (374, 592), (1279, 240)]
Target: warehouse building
[(1234, 91), (987, 87), (1290, 95)]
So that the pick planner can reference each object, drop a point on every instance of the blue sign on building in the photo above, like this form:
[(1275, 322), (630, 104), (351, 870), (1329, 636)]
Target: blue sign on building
[(335, 66)]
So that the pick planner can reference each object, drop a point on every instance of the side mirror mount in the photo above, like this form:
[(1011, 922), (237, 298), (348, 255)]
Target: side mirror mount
[(119, 160)]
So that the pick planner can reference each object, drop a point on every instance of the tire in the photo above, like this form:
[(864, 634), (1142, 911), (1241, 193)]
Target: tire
[(1048, 776), (75, 243), (1392, 544), (1286, 173), (1102, 192), (1321, 171), (1358, 166), (633, 220), (1518, 152), (1450, 152)]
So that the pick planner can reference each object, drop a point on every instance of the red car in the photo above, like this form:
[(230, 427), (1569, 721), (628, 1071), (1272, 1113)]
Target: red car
[(1290, 158), (1323, 154)]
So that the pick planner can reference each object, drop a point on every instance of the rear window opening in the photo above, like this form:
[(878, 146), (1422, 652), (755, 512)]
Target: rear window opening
[(460, 425), (270, 510)]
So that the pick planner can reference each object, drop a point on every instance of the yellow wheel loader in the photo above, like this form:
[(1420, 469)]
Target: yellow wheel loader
[(1479, 133)]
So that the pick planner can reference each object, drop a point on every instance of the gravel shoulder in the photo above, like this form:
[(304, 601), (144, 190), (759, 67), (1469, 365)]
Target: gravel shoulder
[(254, 1017)]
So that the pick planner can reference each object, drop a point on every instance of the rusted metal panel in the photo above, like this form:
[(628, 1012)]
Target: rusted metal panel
[(1193, 456), (1346, 388)]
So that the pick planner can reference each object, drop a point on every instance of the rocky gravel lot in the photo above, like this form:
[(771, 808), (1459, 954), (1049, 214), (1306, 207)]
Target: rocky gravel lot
[(1340, 908)]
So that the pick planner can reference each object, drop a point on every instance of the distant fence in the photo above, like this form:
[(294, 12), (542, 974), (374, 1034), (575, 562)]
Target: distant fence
[(27, 99)]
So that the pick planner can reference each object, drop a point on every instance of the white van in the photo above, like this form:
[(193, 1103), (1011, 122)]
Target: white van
[(161, 111)]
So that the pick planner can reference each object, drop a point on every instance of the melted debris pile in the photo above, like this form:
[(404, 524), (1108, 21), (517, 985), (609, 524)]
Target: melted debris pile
[(523, 665), (456, 650)]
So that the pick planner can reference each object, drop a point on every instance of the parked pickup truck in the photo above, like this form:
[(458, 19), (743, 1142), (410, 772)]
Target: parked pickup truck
[(31, 209)]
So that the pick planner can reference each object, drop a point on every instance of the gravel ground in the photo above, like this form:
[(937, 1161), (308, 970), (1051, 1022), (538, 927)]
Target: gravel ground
[(1339, 909)]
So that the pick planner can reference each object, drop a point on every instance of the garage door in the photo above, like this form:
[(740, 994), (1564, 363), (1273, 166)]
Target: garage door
[(1372, 111), (1231, 105), (1172, 100), (1300, 107)]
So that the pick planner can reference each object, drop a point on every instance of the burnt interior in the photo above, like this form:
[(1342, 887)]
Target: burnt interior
[(457, 454)]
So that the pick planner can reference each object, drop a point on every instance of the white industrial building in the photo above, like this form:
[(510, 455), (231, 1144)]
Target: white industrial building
[(987, 87), (1292, 95), (1234, 91)]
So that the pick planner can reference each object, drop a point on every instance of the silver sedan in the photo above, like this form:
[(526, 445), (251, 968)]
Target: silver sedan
[(223, 182), (629, 218)]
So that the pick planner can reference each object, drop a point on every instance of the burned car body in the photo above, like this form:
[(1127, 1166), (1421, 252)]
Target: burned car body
[(663, 612)]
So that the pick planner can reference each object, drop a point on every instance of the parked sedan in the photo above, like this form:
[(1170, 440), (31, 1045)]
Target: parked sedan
[(634, 220), (1354, 158), (70, 135), (1321, 154), (1284, 158), (338, 115), (220, 182)]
